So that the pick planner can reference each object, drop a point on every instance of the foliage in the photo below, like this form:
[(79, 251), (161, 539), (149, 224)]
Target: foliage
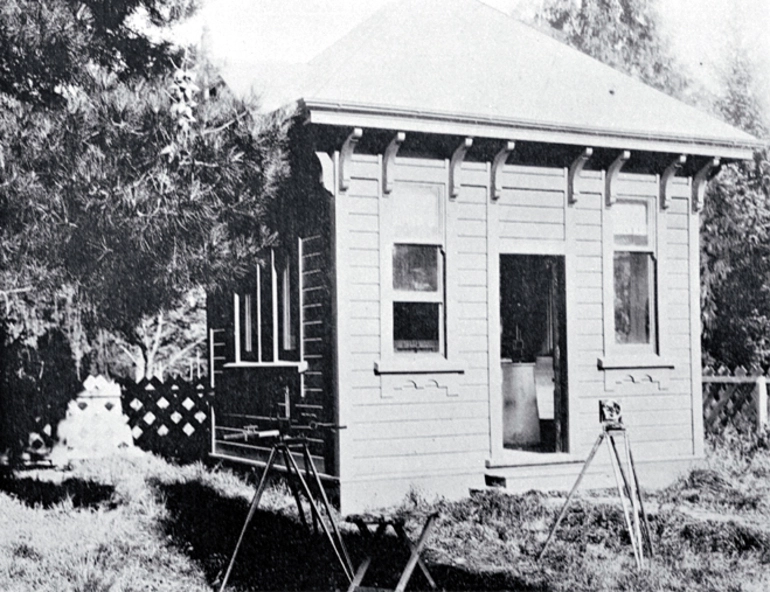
[(735, 269), (735, 245), (149, 523), (96, 204), (36, 383), (166, 343), (46, 46), (624, 34), (120, 178)]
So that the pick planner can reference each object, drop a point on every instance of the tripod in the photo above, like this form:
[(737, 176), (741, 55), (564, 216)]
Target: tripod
[(628, 489), (282, 446)]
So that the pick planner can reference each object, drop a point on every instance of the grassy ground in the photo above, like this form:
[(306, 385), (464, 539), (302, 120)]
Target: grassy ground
[(138, 523)]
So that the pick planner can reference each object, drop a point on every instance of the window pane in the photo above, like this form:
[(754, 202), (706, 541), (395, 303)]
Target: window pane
[(416, 326), (630, 223), (633, 297), (416, 212), (415, 268)]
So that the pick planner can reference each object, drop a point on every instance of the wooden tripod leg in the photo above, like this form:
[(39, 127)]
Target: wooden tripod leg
[(414, 558), (293, 487), (622, 490), (250, 515), (415, 551), (634, 496), (571, 493), (316, 516), (370, 542), (645, 521), (306, 489), (327, 507)]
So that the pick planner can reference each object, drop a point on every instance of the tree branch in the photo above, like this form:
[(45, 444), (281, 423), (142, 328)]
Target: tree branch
[(182, 352)]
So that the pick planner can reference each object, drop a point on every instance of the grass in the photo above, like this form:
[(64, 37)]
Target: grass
[(132, 523)]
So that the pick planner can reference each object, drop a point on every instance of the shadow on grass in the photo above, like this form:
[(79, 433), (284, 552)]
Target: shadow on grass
[(279, 553), (45, 494)]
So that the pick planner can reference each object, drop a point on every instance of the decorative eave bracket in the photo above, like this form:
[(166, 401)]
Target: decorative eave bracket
[(497, 168), (575, 169), (454, 167), (346, 153), (702, 177), (327, 171), (389, 160), (612, 174), (667, 178)]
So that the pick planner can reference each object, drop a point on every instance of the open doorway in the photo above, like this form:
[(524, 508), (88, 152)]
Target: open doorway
[(532, 346)]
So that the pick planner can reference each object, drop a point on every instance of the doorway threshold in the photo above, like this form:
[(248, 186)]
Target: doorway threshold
[(524, 458)]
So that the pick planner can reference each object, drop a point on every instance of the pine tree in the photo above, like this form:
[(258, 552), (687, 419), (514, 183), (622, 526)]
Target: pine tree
[(118, 179)]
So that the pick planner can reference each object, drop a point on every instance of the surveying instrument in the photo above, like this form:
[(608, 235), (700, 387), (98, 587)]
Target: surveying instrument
[(625, 478), (288, 441)]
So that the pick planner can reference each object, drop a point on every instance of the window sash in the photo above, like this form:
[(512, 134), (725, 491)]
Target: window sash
[(634, 298), (408, 326), (429, 290)]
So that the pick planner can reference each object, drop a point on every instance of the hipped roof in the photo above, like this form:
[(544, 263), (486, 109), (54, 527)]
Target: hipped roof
[(462, 67)]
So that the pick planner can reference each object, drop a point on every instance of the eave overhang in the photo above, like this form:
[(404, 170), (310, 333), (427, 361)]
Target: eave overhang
[(408, 120)]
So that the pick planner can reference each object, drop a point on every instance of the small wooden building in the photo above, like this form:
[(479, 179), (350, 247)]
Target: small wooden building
[(485, 233)]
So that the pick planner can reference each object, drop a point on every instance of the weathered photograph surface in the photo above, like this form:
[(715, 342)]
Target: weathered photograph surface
[(389, 294)]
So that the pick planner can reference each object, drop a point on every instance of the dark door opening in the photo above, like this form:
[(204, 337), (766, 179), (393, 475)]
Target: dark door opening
[(532, 346)]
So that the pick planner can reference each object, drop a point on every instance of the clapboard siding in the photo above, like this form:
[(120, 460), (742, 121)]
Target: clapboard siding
[(586, 327), (418, 466), (586, 311), (473, 278), (403, 449), (414, 426), (633, 405), (428, 426), (394, 428), (363, 309), (589, 264), (395, 413), (363, 187), (551, 211)]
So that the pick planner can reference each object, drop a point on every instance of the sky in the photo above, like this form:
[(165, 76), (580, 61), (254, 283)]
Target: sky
[(296, 30)]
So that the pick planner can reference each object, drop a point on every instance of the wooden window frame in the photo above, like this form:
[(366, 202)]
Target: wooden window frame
[(242, 335), (635, 355), (649, 249), (437, 296), (413, 362)]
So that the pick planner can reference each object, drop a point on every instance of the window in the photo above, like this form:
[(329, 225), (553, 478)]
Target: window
[(263, 327), (418, 298), (287, 299), (634, 275), (247, 309), (414, 263)]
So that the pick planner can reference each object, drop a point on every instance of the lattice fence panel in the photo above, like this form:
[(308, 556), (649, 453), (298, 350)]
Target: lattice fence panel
[(731, 398), (169, 418)]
